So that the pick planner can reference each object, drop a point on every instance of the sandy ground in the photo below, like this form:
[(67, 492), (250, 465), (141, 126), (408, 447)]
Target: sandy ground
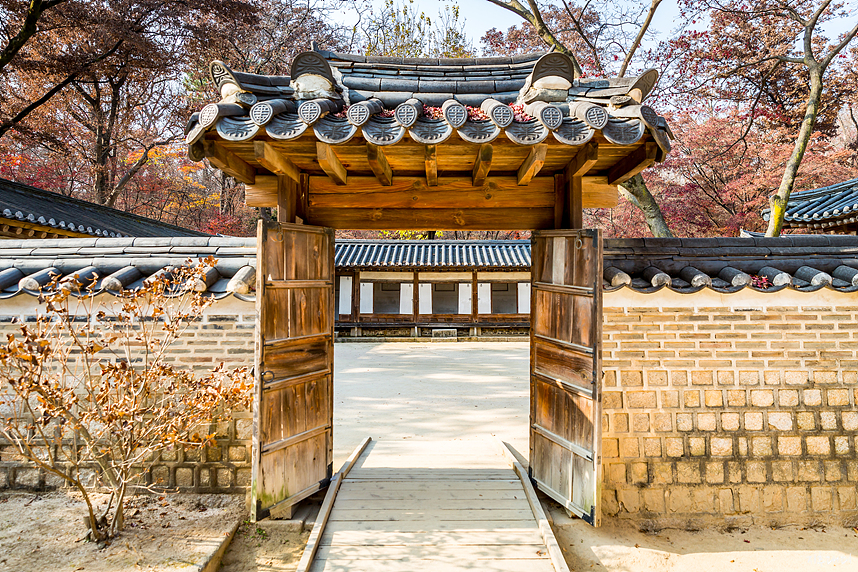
[(618, 546), (42, 532), (268, 546)]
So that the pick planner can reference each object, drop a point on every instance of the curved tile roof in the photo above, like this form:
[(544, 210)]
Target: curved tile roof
[(37, 206), (805, 263), (339, 96), (824, 207), (426, 254)]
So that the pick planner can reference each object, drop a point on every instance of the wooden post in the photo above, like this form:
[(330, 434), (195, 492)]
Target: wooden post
[(287, 199), (576, 204)]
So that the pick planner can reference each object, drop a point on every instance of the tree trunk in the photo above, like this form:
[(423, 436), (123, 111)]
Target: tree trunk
[(635, 191), (778, 201)]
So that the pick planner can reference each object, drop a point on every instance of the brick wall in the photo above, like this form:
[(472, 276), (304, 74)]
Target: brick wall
[(740, 406), (225, 334)]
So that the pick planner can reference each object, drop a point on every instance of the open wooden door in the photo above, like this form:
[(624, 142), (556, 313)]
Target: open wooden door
[(293, 403), (566, 368)]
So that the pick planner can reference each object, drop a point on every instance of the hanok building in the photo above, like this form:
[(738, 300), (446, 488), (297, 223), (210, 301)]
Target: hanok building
[(428, 287), (832, 209), (390, 143), (31, 212)]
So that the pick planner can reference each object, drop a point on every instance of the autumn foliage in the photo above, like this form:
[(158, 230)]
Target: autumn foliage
[(90, 393)]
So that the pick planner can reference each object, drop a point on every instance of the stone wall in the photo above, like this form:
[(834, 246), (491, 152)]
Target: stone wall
[(739, 406), (225, 334)]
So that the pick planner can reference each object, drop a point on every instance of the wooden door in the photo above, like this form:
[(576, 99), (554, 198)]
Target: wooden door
[(293, 403), (566, 369)]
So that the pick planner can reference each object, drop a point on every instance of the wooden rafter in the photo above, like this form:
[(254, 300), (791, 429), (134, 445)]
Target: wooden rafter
[(330, 163), (586, 158), (275, 161), (378, 163), (532, 164), (643, 157), (482, 164), (229, 162), (431, 160)]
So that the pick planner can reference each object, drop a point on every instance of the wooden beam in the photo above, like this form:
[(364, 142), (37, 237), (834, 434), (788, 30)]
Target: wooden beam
[(229, 162), (262, 193), (378, 163), (275, 161), (330, 163), (431, 160), (640, 159), (532, 164), (439, 219), (482, 164), (414, 193), (598, 194), (583, 161)]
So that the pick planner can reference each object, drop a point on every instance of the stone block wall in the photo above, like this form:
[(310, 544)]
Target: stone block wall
[(740, 406), (225, 334)]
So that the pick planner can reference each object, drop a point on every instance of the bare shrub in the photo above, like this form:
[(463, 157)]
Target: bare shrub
[(90, 393)]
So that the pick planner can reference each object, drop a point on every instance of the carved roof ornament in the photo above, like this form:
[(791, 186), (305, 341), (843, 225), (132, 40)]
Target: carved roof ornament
[(337, 97)]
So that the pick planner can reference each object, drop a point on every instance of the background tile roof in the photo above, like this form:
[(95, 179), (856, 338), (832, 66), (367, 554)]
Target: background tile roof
[(38, 206), (799, 262), (824, 207)]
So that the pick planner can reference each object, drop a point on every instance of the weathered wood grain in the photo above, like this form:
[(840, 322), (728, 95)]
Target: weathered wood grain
[(430, 160), (229, 162), (633, 164), (532, 164), (378, 163), (482, 164), (330, 163), (270, 158)]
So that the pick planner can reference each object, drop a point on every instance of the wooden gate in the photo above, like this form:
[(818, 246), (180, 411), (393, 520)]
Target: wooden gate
[(293, 402), (566, 369)]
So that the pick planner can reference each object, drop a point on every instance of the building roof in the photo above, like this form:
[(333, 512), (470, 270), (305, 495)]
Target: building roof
[(804, 263), (422, 254), (25, 265), (338, 96), (834, 205), (24, 206)]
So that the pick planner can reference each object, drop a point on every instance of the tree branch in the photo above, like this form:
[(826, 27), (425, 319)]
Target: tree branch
[(637, 41), (34, 12)]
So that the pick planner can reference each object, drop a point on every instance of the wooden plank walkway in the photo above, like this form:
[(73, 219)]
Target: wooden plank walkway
[(434, 506)]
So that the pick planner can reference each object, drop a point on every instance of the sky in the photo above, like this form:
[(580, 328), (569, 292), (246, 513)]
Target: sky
[(481, 15)]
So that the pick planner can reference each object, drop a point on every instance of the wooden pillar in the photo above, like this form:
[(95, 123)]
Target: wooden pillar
[(576, 203), (287, 199)]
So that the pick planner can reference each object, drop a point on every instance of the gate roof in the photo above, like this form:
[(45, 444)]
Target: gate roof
[(394, 143)]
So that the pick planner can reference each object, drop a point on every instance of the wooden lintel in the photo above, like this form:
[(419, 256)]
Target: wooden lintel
[(330, 163), (431, 160), (532, 164), (378, 163), (275, 161), (229, 162), (583, 161), (640, 159), (482, 164)]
